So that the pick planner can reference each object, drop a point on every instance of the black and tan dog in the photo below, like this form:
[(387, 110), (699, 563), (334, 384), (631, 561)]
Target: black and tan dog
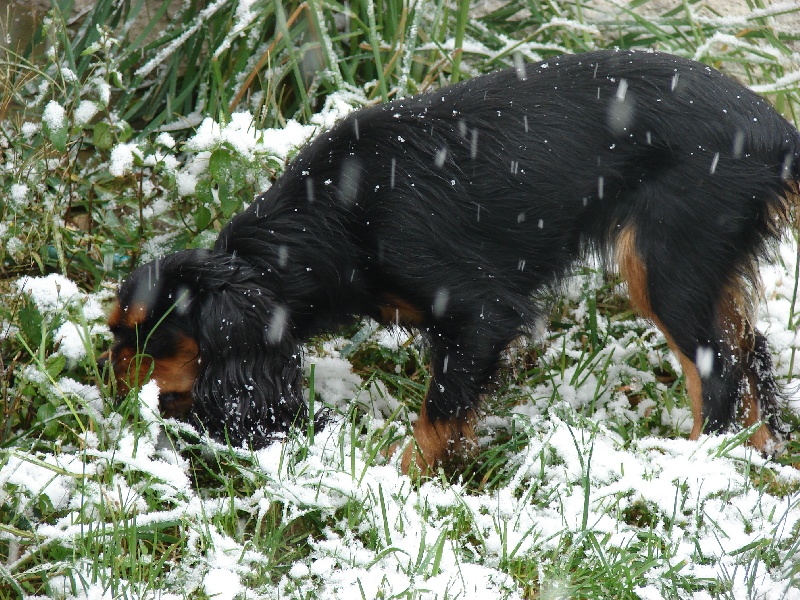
[(450, 211)]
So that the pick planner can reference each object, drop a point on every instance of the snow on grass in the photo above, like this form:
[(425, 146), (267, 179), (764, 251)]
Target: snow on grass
[(377, 533), (56, 296)]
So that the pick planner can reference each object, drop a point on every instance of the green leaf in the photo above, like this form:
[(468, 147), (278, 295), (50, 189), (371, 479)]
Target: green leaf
[(103, 136), (202, 192), (219, 165), (30, 322), (202, 218), (45, 412), (124, 131), (238, 174), (55, 365), (58, 137), (228, 200)]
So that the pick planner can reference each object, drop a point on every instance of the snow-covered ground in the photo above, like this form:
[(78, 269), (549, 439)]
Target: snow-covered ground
[(574, 488)]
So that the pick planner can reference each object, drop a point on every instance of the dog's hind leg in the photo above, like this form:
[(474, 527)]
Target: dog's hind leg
[(725, 362), (759, 391), (633, 271)]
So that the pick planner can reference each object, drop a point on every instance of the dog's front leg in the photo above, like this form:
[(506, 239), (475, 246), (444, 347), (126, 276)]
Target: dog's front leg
[(461, 366)]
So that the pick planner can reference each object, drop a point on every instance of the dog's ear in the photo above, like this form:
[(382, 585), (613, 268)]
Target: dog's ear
[(250, 383)]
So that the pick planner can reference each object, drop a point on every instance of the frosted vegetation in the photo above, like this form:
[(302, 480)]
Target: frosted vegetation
[(130, 131)]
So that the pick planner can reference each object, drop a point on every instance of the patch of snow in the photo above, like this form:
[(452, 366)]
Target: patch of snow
[(54, 116)]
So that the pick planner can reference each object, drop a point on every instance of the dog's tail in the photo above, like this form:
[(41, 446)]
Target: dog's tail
[(750, 372), (763, 398)]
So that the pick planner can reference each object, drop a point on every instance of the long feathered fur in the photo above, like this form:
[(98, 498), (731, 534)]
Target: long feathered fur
[(453, 210)]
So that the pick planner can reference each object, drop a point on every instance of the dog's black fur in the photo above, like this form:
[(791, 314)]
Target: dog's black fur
[(453, 210)]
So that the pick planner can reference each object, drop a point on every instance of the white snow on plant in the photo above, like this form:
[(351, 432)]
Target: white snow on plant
[(167, 161), (122, 157), (50, 293), (30, 129), (148, 403), (54, 294), (71, 340), (242, 19), (243, 137), (85, 112), (334, 379), (40, 477), (241, 134), (15, 246), (19, 193), (186, 178), (222, 584), (162, 55), (103, 90), (89, 395), (54, 116), (165, 139), (68, 75)]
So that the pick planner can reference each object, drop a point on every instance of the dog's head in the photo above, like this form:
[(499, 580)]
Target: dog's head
[(215, 340)]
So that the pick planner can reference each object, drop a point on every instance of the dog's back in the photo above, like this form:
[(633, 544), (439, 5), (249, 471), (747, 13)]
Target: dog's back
[(515, 172)]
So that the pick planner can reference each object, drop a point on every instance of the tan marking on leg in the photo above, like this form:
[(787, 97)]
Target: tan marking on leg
[(634, 272), (694, 388), (435, 441), (734, 313), (735, 309), (763, 438)]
